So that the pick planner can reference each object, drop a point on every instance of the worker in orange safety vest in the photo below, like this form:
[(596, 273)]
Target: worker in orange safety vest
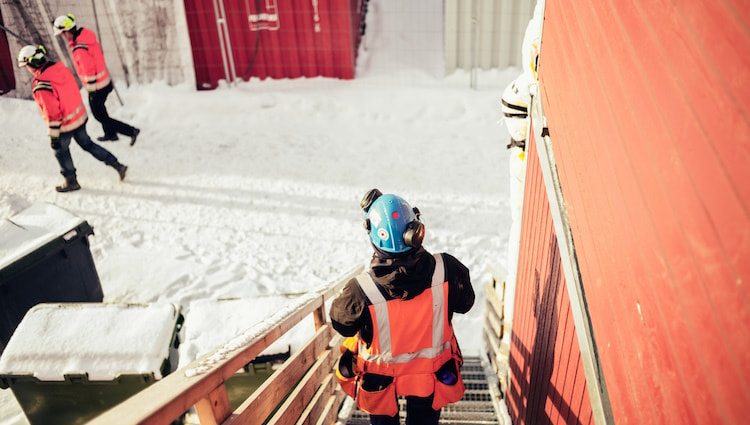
[(56, 93), (398, 319), (88, 59)]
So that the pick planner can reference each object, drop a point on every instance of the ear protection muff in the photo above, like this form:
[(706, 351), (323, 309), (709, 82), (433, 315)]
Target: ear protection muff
[(369, 198), (366, 203), (414, 234)]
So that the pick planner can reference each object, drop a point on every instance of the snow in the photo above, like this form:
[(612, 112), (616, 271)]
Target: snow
[(239, 201), (101, 340), (39, 224)]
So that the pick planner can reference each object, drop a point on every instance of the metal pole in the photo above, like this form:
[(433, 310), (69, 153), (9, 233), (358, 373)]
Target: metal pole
[(17, 36), (114, 21), (219, 27), (230, 55), (99, 34), (474, 42)]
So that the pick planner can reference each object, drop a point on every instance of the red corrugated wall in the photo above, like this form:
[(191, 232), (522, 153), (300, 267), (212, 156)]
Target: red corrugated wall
[(287, 38), (647, 104), (548, 385), (7, 78)]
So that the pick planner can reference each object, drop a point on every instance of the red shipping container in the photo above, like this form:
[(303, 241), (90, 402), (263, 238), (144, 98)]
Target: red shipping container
[(7, 79), (273, 39)]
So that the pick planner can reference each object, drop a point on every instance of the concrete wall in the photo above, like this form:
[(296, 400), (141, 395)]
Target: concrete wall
[(485, 34)]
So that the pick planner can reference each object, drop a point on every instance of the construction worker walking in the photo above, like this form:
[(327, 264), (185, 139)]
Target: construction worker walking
[(88, 59), (56, 93), (397, 317)]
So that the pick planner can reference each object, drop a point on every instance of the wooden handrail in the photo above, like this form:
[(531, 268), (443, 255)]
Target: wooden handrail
[(202, 382)]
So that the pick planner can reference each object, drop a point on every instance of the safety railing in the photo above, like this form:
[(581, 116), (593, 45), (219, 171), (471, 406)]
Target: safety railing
[(302, 391)]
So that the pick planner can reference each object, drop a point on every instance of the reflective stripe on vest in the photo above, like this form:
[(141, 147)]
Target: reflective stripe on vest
[(74, 119), (382, 349)]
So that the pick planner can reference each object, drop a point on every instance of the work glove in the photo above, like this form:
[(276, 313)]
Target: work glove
[(350, 344), (54, 142)]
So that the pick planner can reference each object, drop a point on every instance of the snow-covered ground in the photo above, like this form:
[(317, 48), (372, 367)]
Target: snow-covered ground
[(237, 198)]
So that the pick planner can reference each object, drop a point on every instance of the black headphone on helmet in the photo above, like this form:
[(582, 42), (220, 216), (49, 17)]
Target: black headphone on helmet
[(414, 233)]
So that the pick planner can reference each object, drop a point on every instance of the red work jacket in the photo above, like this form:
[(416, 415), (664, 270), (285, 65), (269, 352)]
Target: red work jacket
[(89, 61), (56, 92)]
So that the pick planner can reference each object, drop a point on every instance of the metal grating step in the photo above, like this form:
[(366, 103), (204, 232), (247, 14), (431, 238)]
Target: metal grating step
[(475, 408)]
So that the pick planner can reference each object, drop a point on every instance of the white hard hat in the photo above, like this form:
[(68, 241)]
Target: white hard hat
[(33, 56), (64, 23)]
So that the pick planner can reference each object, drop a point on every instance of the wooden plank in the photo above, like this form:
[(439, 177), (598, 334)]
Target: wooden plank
[(497, 272), (319, 316), (493, 300), (303, 393), (331, 411), (498, 357), (493, 344), (213, 408), (267, 397), (318, 403), (493, 322)]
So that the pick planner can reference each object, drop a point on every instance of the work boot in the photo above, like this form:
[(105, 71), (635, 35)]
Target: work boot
[(121, 169), (70, 185), (134, 136), (107, 138)]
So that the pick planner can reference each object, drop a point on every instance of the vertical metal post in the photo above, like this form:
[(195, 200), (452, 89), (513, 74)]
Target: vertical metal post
[(475, 7), (226, 50), (230, 56), (114, 20), (99, 34)]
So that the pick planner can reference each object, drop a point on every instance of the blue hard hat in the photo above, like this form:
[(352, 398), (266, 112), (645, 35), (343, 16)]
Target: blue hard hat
[(392, 223)]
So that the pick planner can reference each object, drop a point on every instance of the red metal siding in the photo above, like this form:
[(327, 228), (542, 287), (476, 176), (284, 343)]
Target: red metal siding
[(286, 38), (647, 104), (204, 36), (547, 378), (7, 62)]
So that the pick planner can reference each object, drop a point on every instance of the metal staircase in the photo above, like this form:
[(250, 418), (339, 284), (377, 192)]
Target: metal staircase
[(477, 407)]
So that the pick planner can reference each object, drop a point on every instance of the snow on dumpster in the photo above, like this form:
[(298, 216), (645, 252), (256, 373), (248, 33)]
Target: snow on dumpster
[(44, 257), (68, 362)]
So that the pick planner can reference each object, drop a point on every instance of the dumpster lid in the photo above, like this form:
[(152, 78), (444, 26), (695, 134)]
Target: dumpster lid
[(99, 339), (31, 229)]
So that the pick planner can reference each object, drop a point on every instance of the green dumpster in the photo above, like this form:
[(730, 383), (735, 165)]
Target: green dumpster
[(68, 362), (44, 257)]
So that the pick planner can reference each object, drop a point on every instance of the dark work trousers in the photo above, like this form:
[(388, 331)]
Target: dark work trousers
[(62, 153), (418, 412), (110, 125)]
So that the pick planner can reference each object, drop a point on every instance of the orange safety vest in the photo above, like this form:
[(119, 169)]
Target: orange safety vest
[(411, 351), (56, 93), (89, 62)]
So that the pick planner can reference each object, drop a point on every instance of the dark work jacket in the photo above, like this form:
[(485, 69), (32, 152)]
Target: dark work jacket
[(402, 277)]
